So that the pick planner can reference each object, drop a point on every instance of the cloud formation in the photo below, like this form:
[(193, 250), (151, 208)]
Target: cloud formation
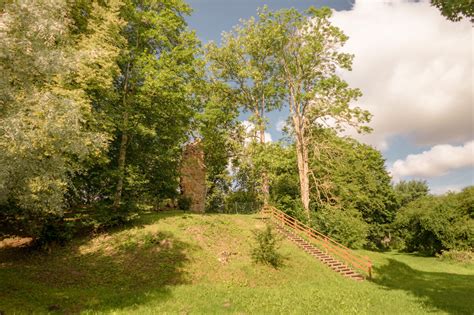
[(415, 69), (439, 160)]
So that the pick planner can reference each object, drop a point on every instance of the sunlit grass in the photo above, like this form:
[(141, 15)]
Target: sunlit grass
[(184, 263)]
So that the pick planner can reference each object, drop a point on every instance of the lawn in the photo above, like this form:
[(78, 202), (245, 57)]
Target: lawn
[(183, 263)]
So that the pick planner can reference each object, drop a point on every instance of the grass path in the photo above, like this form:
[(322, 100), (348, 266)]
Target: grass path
[(182, 263)]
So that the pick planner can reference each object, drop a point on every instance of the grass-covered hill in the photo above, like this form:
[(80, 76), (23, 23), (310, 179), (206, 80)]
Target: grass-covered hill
[(185, 263)]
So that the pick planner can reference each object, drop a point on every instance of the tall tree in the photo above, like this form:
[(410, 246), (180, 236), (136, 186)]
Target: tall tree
[(307, 51), (246, 62), (153, 107), (45, 110)]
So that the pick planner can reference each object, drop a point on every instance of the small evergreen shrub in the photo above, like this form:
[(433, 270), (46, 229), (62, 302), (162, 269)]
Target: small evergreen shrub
[(184, 203), (55, 230), (266, 250)]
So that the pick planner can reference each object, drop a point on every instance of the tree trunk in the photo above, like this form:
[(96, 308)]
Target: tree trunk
[(121, 170), (303, 167), (123, 144), (265, 182)]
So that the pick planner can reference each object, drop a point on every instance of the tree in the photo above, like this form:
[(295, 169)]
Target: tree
[(350, 180), (153, 103), (408, 191), (455, 10), (246, 62), (306, 49), (45, 135)]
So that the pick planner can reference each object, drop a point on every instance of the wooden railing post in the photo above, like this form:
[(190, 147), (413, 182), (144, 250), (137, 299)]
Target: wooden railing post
[(369, 265)]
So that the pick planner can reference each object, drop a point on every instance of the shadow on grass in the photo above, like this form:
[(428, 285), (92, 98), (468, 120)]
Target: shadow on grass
[(452, 293), (80, 278)]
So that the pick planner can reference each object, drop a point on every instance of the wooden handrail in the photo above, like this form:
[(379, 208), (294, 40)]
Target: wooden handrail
[(329, 245)]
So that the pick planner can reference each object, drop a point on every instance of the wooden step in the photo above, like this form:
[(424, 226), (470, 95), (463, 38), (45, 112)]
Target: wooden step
[(322, 255), (332, 263), (338, 264)]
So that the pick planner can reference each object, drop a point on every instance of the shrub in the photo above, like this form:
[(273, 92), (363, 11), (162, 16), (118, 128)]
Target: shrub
[(465, 257), (184, 203), (266, 250)]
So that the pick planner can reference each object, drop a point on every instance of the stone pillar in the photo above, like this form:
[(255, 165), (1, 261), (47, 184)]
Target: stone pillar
[(193, 176)]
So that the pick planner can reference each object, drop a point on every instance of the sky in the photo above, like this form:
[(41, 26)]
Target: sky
[(414, 68)]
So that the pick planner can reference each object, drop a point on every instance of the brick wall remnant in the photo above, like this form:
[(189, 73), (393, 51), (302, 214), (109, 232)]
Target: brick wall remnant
[(193, 176)]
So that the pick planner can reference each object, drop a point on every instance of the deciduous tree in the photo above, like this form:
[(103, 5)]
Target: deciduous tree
[(307, 52)]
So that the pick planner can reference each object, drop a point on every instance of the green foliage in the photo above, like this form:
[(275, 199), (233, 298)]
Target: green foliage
[(435, 223), (44, 135), (245, 61), (407, 191), (242, 201), (266, 249), (455, 10), (345, 226)]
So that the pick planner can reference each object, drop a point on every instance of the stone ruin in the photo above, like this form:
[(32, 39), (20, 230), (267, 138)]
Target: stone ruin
[(193, 176)]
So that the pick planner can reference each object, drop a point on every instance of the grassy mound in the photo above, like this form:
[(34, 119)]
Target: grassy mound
[(184, 263)]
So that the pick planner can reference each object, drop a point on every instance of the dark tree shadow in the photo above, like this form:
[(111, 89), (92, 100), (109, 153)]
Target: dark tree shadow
[(452, 293), (71, 280)]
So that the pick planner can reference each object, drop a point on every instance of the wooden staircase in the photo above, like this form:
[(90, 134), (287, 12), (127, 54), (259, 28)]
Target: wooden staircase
[(334, 255)]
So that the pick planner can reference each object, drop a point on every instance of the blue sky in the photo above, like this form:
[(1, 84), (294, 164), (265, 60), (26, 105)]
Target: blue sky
[(414, 68)]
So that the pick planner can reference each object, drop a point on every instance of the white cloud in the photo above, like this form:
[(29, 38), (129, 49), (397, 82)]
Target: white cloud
[(280, 125), (439, 160), (249, 129), (415, 69)]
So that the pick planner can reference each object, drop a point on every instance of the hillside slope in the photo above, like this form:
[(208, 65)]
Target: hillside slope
[(184, 263)]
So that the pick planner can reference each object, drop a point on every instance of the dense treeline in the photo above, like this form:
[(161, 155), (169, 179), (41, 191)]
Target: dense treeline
[(96, 101), (98, 98)]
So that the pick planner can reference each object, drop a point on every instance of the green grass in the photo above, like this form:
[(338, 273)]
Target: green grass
[(182, 263)]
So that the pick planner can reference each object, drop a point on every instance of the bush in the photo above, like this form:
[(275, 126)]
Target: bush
[(184, 203), (345, 226), (465, 257), (435, 223), (266, 250), (55, 230), (242, 202)]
